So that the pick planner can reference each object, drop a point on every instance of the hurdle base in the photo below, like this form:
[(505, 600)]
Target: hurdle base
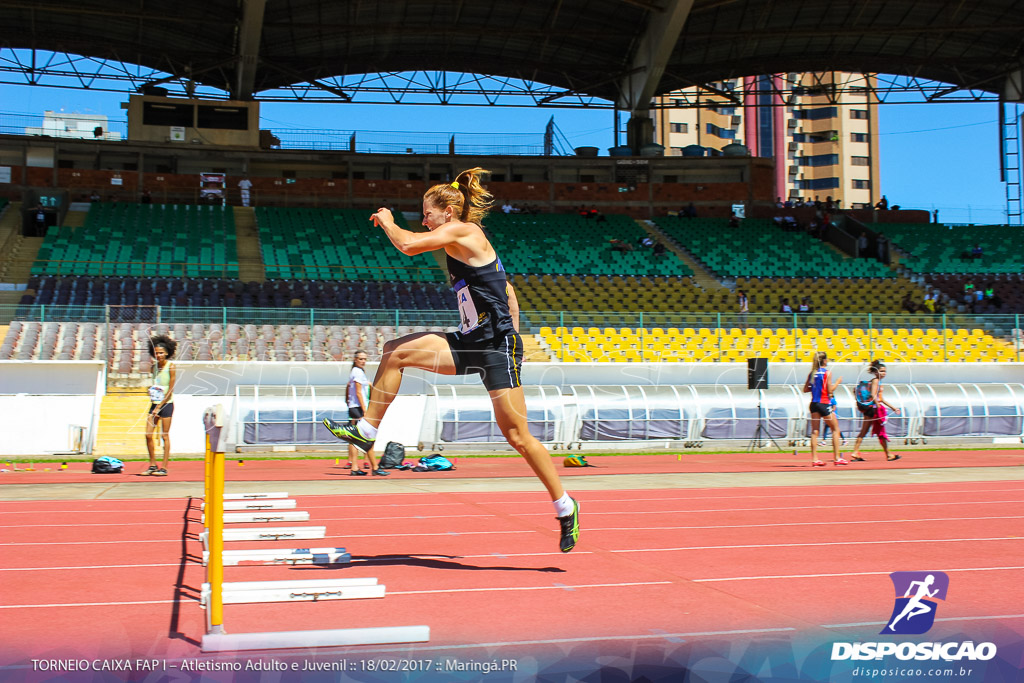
[(231, 642)]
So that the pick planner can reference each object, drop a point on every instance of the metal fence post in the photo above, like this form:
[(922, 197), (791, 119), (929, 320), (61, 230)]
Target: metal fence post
[(945, 353), (718, 332), (871, 338)]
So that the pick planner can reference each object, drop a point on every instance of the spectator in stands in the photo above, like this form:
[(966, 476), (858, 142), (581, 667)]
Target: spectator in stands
[(929, 302), (805, 306), (40, 220), (882, 247), (619, 245), (785, 307), (658, 248), (908, 304), (95, 197), (883, 204), (146, 198), (862, 245), (690, 211), (358, 394), (935, 216), (506, 208), (244, 186), (779, 204), (744, 304), (830, 205), (646, 242), (487, 342), (161, 402), (734, 221), (977, 252)]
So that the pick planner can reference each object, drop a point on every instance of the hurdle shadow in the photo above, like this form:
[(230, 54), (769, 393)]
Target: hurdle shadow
[(426, 562), (182, 591)]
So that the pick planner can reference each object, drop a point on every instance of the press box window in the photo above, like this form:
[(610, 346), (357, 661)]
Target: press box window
[(225, 118), (160, 114)]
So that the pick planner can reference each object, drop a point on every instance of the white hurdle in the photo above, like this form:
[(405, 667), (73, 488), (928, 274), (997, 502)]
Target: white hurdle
[(317, 556), (267, 504), (215, 592), (253, 496)]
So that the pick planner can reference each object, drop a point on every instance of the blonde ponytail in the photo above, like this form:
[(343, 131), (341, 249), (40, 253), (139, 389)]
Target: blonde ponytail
[(470, 200), (819, 358)]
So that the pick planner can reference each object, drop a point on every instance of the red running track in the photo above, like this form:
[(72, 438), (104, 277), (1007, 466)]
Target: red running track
[(299, 469), (120, 578)]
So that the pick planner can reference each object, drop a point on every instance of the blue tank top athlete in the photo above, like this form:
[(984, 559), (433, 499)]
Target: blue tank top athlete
[(487, 342), (821, 387)]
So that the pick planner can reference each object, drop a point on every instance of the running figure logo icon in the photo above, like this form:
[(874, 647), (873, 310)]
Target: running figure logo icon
[(916, 593)]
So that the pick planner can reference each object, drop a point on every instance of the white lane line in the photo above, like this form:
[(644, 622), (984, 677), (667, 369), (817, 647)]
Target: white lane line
[(346, 536), (560, 587), (98, 604), (819, 545), (975, 618), (94, 566), (589, 530), (769, 577), (590, 514), (589, 500)]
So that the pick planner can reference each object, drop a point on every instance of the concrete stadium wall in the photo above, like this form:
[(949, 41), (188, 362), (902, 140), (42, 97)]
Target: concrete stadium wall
[(40, 400)]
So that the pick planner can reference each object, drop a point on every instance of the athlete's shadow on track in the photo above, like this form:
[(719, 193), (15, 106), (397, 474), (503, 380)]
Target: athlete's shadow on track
[(427, 562)]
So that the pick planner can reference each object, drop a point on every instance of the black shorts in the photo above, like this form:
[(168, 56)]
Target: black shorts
[(499, 362), (870, 412), (166, 411), (823, 409), (355, 413)]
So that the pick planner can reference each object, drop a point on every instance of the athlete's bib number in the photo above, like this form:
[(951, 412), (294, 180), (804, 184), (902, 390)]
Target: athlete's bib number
[(157, 393), (468, 315)]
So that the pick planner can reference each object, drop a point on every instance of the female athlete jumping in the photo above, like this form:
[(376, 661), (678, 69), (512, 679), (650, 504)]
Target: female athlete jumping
[(487, 342)]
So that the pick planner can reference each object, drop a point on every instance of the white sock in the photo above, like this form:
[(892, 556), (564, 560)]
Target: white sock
[(563, 506), (366, 429)]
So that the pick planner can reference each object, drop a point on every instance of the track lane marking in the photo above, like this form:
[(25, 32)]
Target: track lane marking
[(544, 514), (767, 577)]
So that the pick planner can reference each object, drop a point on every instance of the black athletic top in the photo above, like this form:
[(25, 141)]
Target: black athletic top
[(482, 296)]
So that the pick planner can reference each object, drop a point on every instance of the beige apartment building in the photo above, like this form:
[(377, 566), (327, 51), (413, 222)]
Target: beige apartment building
[(825, 127)]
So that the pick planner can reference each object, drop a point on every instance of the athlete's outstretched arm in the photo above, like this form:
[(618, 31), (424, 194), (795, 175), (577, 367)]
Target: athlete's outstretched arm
[(513, 304), (412, 243)]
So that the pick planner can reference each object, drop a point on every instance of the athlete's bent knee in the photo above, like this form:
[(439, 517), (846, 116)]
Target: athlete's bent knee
[(518, 438)]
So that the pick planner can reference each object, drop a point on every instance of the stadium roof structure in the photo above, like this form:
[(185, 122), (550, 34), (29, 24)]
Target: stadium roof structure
[(558, 52)]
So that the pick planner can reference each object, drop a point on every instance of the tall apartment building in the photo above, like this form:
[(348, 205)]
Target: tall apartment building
[(825, 130)]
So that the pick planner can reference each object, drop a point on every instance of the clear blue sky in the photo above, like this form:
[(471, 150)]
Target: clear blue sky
[(933, 156)]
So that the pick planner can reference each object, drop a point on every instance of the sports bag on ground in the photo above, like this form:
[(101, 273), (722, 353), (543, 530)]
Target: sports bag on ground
[(107, 465), (394, 455), (434, 463)]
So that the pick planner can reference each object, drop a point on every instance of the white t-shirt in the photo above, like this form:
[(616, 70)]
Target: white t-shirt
[(245, 184), (357, 376)]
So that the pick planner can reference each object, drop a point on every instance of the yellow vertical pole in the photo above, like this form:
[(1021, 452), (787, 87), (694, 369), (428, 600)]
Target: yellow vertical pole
[(208, 474), (215, 565)]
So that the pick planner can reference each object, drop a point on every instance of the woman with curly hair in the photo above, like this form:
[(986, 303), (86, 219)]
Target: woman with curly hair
[(161, 397)]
